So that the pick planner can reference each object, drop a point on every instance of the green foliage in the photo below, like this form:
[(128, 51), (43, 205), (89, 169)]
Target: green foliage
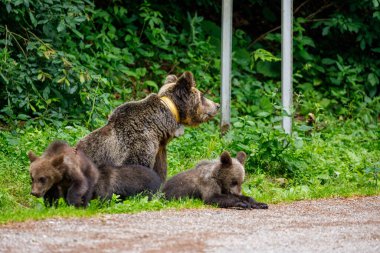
[(42, 80), (60, 59), (338, 60), (77, 60)]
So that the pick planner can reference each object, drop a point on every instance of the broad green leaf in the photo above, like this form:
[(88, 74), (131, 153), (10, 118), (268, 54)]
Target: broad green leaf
[(264, 55), (81, 78), (328, 61), (46, 92), (238, 124), (373, 79), (151, 84), (61, 80), (8, 7), (267, 69), (77, 33), (32, 19), (263, 114), (61, 26), (23, 116), (325, 30)]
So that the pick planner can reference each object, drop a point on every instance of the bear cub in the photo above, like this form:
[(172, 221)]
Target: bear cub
[(126, 181), (215, 182), (62, 172), (65, 172)]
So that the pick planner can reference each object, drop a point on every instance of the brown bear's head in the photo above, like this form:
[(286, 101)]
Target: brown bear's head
[(231, 173), (44, 173), (192, 106)]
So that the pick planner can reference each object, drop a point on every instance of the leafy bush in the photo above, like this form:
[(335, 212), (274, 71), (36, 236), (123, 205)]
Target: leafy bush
[(77, 60), (67, 57)]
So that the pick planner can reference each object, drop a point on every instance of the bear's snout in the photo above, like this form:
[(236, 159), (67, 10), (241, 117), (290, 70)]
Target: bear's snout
[(36, 194), (213, 109)]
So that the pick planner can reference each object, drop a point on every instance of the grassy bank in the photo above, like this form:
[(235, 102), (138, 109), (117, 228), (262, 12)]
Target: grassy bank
[(328, 159)]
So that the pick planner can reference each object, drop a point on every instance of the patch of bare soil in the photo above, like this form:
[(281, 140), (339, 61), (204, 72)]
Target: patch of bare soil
[(330, 225)]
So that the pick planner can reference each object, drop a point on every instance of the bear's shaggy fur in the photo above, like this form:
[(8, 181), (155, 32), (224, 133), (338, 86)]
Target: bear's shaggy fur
[(215, 182), (138, 132), (126, 181), (62, 172)]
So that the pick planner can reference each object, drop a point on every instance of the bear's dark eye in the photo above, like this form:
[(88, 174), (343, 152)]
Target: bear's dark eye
[(234, 183), (42, 180)]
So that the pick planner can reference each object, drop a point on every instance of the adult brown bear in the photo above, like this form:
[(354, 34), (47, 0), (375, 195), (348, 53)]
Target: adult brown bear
[(138, 132)]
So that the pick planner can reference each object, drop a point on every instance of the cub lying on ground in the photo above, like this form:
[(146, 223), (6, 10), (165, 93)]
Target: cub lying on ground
[(215, 182), (126, 181), (65, 172)]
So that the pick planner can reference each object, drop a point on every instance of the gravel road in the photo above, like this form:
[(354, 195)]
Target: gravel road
[(328, 225)]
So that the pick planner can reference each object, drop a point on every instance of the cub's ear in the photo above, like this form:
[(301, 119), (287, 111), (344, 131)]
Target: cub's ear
[(186, 81), (170, 79), (32, 156), (225, 158), (241, 156), (57, 160)]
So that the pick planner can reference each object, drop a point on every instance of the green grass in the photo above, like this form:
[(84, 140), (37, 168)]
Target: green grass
[(330, 159), (132, 205)]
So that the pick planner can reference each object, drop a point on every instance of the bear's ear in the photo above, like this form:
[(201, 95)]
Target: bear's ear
[(170, 79), (32, 156), (241, 156), (225, 158), (57, 160), (186, 81)]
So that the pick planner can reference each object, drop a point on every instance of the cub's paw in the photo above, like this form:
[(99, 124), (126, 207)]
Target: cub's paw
[(242, 205), (254, 204), (259, 205)]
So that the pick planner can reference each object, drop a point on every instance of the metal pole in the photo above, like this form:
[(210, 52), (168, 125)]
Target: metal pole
[(226, 64), (287, 62)]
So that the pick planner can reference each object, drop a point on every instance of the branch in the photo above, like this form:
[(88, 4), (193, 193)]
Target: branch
[(309, 18), (300, 6), (320, 10), (13, 35), (263, 35)]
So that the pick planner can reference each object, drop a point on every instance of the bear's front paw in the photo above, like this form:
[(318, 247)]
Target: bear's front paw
[(75, 201), (259, 205), (242, 205)]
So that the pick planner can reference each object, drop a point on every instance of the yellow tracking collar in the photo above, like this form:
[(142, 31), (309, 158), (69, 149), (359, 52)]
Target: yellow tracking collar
[(170, 104)]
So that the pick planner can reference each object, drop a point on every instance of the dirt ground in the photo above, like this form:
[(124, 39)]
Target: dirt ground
[(331, 225)]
